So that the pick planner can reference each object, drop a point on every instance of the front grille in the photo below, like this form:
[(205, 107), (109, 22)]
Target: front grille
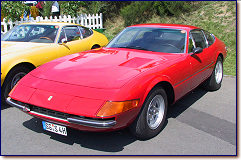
[(50, 112), (56, 114)]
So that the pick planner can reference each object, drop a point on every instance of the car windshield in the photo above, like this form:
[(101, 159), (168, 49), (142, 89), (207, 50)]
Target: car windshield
[(32, 33), (150, 39)]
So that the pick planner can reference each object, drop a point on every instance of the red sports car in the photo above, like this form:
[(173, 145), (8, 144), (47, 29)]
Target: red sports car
[(129, 83)]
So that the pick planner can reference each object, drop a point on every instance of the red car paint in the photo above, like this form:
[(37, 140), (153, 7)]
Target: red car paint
[(81, 83)]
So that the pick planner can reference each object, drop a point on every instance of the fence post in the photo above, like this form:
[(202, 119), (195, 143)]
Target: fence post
[(91, 21), (69, 19), (46, 19), (38, 19), (82, 19), (65, 18), (51, 19), (60, 19), (101, 22), (5, 27), (10, 23)]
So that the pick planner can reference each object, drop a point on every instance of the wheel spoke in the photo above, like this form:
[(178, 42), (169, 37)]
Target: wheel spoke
[(218, 72), (155, 112)]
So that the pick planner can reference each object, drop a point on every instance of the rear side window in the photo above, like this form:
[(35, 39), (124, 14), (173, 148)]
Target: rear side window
[(72, 33), (86, 32), (210, 38), (199, 39)]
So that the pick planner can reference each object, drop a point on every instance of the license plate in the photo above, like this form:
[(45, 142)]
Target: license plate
[(54, 128)]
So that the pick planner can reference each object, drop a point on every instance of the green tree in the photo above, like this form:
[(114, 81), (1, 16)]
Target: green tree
[(172, 8), (72, 8), (13, 9), (46, 12), (137, 12)]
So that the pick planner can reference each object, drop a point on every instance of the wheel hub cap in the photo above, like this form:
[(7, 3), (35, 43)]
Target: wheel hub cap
[(218, 72), (155, 111)]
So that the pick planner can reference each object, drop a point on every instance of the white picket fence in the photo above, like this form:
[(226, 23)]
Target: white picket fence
[(90, 21)]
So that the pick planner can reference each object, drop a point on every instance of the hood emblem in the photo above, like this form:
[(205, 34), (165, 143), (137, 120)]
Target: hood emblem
[(50, 97)]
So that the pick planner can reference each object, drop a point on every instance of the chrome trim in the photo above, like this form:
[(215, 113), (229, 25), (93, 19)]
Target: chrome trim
[(19, 106), (92, 123), (40, 114), (79, 121)]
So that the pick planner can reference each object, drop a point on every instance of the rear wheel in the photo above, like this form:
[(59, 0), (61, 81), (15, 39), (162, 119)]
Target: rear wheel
[(152, 117), (95, 46), (12, 79), (214, 82)]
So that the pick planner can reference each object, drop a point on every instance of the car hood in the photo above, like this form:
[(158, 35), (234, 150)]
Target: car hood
[(9, 48), (103, 68)]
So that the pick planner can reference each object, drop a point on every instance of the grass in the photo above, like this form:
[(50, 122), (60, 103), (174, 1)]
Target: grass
[(216, 17)]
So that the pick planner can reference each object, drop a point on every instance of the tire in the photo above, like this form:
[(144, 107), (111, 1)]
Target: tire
[(95, 46), (147, 124), (214, 82), (11, 80)]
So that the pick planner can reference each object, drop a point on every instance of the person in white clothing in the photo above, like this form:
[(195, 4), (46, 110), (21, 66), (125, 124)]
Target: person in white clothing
[(55, 9)]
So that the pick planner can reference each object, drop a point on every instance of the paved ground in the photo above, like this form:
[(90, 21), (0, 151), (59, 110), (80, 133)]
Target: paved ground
[(202, 123)]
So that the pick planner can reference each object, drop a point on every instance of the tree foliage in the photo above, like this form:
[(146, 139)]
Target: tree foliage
[(47, 6), (13, 9), (72, 8), (137, 12), (172, 8), (132, 11)]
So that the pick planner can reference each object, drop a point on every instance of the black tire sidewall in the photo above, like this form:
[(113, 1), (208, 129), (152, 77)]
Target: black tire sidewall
[(212, 84), (6, 87), (140, 127)]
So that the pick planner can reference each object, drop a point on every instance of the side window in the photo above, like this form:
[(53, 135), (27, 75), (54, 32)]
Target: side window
[(198, 38), (190, 45), (86, 32), (72, 33), (210, 38)]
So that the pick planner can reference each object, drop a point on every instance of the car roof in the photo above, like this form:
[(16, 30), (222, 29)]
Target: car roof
[(51, 23), (162, 25)]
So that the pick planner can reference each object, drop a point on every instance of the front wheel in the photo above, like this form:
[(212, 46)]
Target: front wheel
[(152, 117), (214, 82), (11, 80)]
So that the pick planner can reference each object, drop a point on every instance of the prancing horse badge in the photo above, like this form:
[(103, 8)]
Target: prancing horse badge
[(50, 97)]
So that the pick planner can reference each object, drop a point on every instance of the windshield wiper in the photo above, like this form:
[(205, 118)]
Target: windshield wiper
[(135, 47)]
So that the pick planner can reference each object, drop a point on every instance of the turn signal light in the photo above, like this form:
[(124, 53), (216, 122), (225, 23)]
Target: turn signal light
[(112, 108)]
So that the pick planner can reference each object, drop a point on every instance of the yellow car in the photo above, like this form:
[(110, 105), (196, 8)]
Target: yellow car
[(30, 45)]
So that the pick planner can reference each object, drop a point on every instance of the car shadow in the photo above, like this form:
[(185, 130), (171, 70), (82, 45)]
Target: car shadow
[(185, 102), (111, 141), (4, 106), (100, 141)]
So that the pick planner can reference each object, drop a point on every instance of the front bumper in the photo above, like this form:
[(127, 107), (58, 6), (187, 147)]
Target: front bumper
[(94, 123)]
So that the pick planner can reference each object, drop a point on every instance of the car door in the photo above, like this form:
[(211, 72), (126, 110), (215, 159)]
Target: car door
[(201, 63), (72, 39), (43, 38)]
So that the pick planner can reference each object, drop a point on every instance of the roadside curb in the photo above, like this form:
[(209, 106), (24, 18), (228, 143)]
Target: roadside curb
[(229, 76)]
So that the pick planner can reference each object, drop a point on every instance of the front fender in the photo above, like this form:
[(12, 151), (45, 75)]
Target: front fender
[(153, 83), (7, 65)]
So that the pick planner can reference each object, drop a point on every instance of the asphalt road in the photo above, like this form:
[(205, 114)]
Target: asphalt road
[(201, 123)]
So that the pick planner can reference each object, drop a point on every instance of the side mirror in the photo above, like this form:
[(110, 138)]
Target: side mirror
[(197, 50), (63, 41)]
